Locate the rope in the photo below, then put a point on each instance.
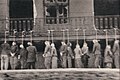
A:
(31, 32)
(48, 35)
(52, 35)
(68, 35)
(63, 35)
(14, 35)
(106, 37)
(22, 37)
(84, 34)
(77, 35)
(115, 33)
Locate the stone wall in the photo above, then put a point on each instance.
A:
(3, 14)
(77, 8)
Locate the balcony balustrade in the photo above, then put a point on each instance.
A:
(57, 24)
(107, 22)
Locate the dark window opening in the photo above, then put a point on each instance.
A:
(21, 14)
(106, 7)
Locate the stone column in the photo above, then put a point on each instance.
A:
(4, 14)
(39, 21)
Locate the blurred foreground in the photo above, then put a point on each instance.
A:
(61, 74)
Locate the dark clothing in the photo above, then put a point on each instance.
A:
(14, 50)
(85, 59)
(31, 65)
(31, 57)
(63, 50)
(14, 58)
(23, 54)
(5, 49)
(23, 58)
(70, 56)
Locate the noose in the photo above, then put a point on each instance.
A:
(84, 34)
(106, 37)
(68, 39)
(5, 40)
(96, 34)
(115, 33)
(14, 31)
(23, 37)
(52, 35)
(48, 35)
(96, 30)
(63, 35)
(31, 38)
(77, 35)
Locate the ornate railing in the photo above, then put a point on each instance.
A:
(42, 24)
(21, 24)
(107, 22)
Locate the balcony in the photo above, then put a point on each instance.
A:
(40, 26)
(107, 22)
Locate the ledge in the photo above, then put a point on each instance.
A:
(61, 74)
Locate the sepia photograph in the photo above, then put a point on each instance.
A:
(59, 39)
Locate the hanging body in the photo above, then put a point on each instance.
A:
(5, 53)
(70, 56)
(78, 54)
(23, 58)
(47, 56)
(85, 56)
(116, 52)
(63, 53)
(97, 53)
(14, 56)
(108, 57)
(54, 57)
(31, 57)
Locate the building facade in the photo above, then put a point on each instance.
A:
(43, 15)
(40, 20)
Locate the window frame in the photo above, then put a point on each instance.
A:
(57, 18)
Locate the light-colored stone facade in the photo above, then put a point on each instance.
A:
(77, 8)
(4, 13)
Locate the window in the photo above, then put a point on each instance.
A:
(56, 11)
(21, 14)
